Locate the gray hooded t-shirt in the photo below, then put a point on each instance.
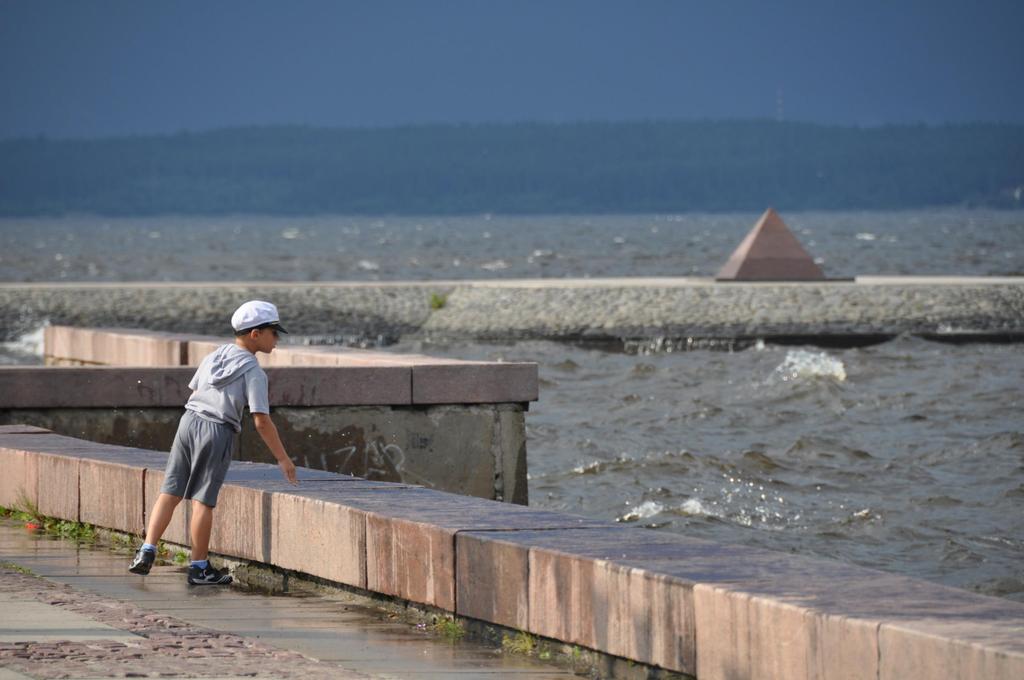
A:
(227, 380)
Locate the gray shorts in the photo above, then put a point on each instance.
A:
(199, 460)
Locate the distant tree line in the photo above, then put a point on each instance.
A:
(655, 166)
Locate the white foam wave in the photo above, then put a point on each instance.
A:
(801, 364)
(23, 348)
(643, 511)
(590, 468)
(692, 506)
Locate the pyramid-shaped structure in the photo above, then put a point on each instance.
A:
(770, 252)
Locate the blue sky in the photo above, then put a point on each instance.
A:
(103, 68)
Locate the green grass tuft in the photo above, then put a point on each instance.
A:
(520, 643)
(74, 531)
(26, 510)
(119, 540)
(449, 628)
(16, 567)
(438, 301)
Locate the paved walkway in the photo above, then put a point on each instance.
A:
(78, 614)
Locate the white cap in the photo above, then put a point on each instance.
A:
(256, 313)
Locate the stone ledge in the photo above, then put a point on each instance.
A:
(375, 375)
(468, 383)
(45, 387)
(23, 429)
(688, 605)
(132, 387)
(133, 347)
(572, 585)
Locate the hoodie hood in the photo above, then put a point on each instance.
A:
(228, 363)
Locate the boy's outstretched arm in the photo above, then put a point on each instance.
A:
(268, 431)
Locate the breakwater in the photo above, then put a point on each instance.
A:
(680, 310)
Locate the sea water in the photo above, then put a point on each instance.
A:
(246, 248)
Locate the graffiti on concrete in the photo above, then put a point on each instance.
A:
(377, 460)
(373, 459)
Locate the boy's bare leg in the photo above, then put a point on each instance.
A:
(202, 524)
(163, 511)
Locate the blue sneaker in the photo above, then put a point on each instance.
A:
(208, 576)
(143, 562)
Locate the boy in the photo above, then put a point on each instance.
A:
(227, 380)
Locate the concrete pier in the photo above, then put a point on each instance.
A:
(711, 610)
(869, 307)
(453, 425)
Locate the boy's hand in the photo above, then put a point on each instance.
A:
(268, 431)
(288, 470)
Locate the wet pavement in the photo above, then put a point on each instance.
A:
(73, 611)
